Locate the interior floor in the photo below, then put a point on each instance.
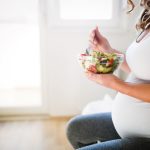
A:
(34, 135)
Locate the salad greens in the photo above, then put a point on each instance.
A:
(99, 62)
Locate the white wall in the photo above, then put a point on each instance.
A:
(68, 89)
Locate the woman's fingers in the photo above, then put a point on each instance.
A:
(89, 74)
(98, 78)
(92, 38)
(97, 33)
(93, 41)
(92, 44)
(93, 77)
(92, 35)
(100, 38)
(95, 38)
(97, 29)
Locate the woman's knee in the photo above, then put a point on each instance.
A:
(82, 126)
(85, 129)
(73, 127)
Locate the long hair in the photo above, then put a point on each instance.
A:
(144, 20)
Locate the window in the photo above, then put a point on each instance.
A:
(20, 81)
(85, 9)
(85, 12)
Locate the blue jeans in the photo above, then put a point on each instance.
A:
(84, 131)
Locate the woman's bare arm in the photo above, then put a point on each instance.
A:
(140, 91)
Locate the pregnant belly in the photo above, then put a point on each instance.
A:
(131, 117)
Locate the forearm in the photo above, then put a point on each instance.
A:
(139, 91)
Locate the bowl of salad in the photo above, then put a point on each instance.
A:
(100, 62)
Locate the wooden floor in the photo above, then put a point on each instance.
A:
(34, 135)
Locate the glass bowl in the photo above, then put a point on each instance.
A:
(99, 62)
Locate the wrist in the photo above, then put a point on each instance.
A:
(119, 85)
(116, 51)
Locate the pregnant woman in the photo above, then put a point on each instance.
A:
(127, 127)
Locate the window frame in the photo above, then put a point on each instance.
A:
(57, 22)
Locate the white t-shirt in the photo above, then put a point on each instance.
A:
(131, 116)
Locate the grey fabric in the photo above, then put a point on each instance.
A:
(84, 131)
(121, 144)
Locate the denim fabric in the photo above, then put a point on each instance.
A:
(84, 131)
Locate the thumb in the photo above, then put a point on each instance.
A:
(97, 29)
(97, 32)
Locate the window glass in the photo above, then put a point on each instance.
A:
(86, 9)
(22, 10)
(20, 80)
